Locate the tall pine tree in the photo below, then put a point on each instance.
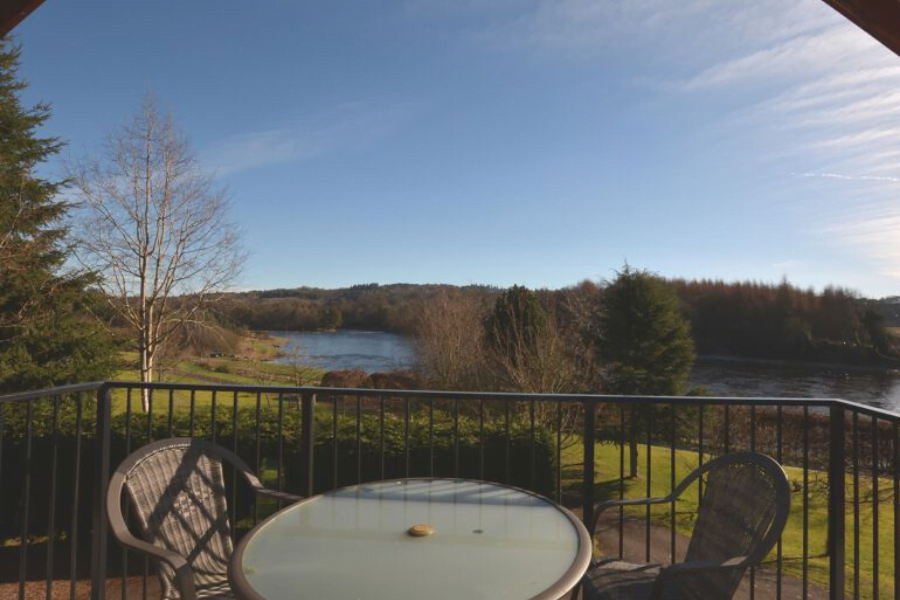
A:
(46, 337)
(644, 343)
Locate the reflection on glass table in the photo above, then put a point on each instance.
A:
(413, 538)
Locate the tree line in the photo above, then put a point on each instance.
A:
(781, 321)
(737, 319)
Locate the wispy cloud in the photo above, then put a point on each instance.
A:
(821, 97)
(677, 30)
(849, 177)
(350, 127)
(836, 48)
(876, 236)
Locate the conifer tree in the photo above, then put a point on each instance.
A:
(516, 324)
(45, 336)
(643, 342)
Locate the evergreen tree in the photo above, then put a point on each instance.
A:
(516, 324)
(45, 337)
(644, 343)
(643, 340)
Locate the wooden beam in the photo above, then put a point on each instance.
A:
(13, 11)
(879, 18)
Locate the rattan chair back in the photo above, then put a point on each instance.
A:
(177, 490)
(746, 500)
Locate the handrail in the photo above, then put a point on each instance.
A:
(457, 395)
(74, 388)
(857, 407)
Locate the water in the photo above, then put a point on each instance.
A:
(368, 351)
(772, 379)
(377, 351)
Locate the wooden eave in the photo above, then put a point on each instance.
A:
(13, 11)
(879, 18)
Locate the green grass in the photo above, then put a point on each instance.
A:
(214, 371)
(263, 346)
(816, 500)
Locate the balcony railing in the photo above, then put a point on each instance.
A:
(57, 448)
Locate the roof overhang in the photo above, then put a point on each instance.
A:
(13, 11)
(879, 18)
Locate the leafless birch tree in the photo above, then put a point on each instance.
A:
(156, 227)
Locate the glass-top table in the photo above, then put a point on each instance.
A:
(414, 538)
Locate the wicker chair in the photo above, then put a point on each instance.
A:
(744, 508)
(177, 489)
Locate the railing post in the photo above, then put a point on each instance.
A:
(590, 415)
(308, 439)
(101, 480)
(836, 525)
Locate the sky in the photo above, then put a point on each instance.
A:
(501, 142)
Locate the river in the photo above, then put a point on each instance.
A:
(377, 351)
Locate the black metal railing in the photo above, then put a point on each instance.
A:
(57, 448)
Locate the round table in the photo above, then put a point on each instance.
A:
(447, 539)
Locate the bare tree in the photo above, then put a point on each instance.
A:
(448, 340)
(156, 227)
(538, 366)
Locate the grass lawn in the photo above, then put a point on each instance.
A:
(816, 499)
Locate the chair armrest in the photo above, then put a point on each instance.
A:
(183, 572)
(255, 483)
(687, 568)
(599, 508)
(630, 502)
(290, 498)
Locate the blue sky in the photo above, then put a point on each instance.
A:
(538, 142)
